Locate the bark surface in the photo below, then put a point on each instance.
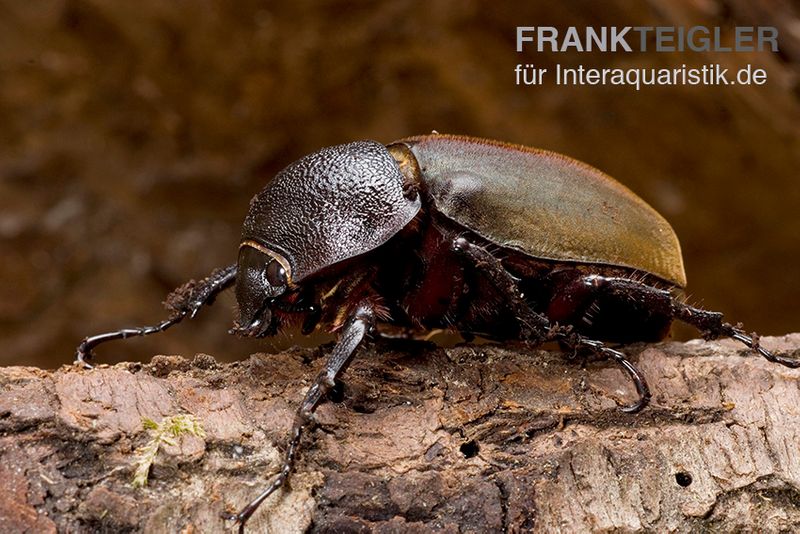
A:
(468, 439)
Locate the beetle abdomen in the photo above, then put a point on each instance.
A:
(545, 204)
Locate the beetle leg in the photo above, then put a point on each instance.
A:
(534, 327)
(709, 323)
(537, 328)
(361, 322)
(576, 341)
(186, 300)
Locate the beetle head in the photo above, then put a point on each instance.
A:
(263, 275)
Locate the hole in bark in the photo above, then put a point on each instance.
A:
(469, 449)
(363, 407)
(336, 394)
(683, 479)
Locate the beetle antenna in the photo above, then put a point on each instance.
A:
(184, 301)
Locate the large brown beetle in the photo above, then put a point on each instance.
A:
(442, 231)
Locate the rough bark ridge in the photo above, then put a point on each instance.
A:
(469, 439)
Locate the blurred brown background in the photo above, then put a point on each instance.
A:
(134, 133)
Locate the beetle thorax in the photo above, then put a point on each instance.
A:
(331, 205)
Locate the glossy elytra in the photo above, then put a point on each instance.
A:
(439, 231)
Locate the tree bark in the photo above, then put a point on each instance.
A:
(469, 439)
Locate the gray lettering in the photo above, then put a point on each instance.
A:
(618, 38)
(699, 44)
(522, 37)
(643, 31)
(547, 34)
(768, 34)
(593, 39)
(572, 40)
(744, 35)
(718, 41)
(664, 36)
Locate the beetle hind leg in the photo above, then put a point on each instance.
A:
(184, 301)
(713, 327)
(710, 323)
(537, 328)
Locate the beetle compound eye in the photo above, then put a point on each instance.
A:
(271, 272)
(276, 274)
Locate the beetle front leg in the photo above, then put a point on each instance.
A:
(186, 300)
(361, 322)
(709, 323)
(537, 328)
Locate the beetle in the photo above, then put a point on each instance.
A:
(441, 231)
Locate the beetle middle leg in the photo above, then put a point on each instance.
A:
(186, 300)
(533, 326)
(360, 323)
(709, 323)
(537, 328)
